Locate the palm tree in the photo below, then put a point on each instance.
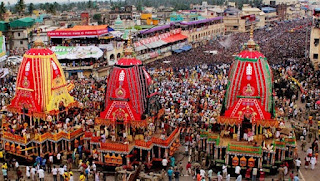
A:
(20, 6)
(3, 10)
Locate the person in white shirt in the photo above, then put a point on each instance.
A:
(237, 169)
(254, 174)
(224, 171)
(313, 162)
(202, 173)
(94, 167)
(298, 164)
(164, 163)
(28, 172)
(239, 178)
(309, 151)
(33, 173)
(210, 174)
(51, 159)
(55, 173)
(71, 176)
(228, 177)
(16, 165)
(41, 174)
(58, 158)
(61, 173)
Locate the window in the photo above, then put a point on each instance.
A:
(315, 56)
(21, 42)
(316, 41)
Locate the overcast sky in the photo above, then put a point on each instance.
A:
(41, 1)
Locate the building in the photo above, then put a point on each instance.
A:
(41, 33)
(314, 39)
(125, 13)
(163, 14)
(295, 11)
(200, 30)
(270, 14)
(185, 15)
(282, 11)
(202, 6)
(118, 24)
(19, 34)
(233, 21)
(259, 14)
(277, 2)
(149, 19)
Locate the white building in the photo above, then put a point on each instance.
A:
(277, 2)
(203, 6)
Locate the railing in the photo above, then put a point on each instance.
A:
(114, 147)
(43, 137)
(287, 141)
(214, 137)
(245, 149)
(167, 141)
(88, 134)
(290, 141)
(95, 139)
(280, 144)
(14, 137)
(143, 143)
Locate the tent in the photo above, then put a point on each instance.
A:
(22, 23)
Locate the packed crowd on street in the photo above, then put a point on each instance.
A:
(191, 89)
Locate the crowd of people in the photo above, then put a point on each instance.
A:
(278, 45)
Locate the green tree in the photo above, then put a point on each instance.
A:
(31, 8)
(3, 10)
(97, 17)
(46, 6)
(90, 4)
(51, 9)
(20, 7)
(57, 6)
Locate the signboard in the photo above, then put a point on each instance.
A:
(3, 55)
(108, 47)
(78, 52)
(78, 33)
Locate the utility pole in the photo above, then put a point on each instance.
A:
(306, 48)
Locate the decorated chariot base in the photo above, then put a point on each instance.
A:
(249, 132)
(45, 119)
(129, 130)
(42, 101)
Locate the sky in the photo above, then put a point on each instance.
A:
(40, 1)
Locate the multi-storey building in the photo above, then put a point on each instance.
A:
(314, 39)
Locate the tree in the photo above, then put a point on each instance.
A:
(97, 17)
(57, 6)
(3, 10)
(20, 7)
(46, 6)
(90, 4)
(51, 9)
(31, 8)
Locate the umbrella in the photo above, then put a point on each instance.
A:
(318, 102)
